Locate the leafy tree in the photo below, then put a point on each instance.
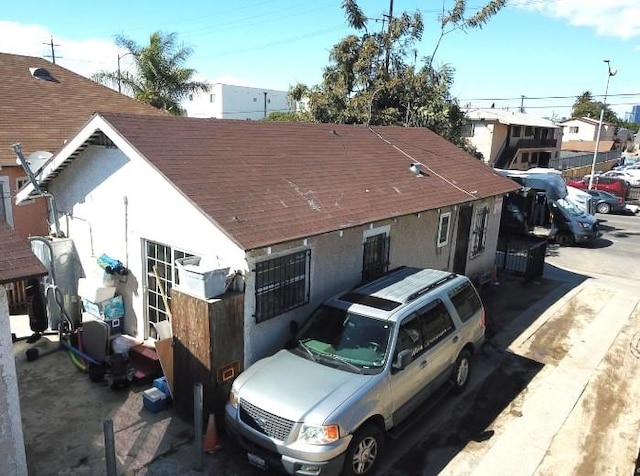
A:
(376, 78)
(159, 78)
(586, 106)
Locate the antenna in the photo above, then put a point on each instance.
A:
(53, 52)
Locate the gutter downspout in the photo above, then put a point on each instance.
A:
(17, 149)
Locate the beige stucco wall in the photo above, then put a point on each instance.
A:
(13, 461)
(336, 265)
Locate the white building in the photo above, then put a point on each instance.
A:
(225, 101)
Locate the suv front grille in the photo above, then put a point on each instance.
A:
(267, 423)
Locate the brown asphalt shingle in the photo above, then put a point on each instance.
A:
(268, 182)
(17, 261)
(41, 114)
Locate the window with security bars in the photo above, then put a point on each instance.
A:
(163, 258)
(479, 233)
(375, 260)
(282, 284)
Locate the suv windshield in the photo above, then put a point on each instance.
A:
(569, 207)
(343, 338)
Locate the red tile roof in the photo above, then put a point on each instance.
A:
(270, 182)
(17, 261)
(42, 114)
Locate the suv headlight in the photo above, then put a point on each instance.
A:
(233, 397)
(319, 434)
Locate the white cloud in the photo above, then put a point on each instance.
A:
(617, 18)
(83, 57)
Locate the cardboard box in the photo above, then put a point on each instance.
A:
(106, 310)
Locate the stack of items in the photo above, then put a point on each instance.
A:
(103, 316)
(158, 397)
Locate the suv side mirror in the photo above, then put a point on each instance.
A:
(402, 359)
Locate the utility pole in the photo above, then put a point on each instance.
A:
(53, 51)
(522, 103)
(388, 52)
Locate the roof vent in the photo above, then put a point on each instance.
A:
(41, 73)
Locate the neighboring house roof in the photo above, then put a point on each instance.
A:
(509, 118)
(269, 182)
(587, 145)
(588, 120)
(17, 261)
(42, 114)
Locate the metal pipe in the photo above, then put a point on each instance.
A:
(197, 426)
(109, 448)
(17, 149)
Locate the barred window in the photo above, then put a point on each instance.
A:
(375, 261)
(282, 284)
(480, 223)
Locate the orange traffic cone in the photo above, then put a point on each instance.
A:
(211, 442)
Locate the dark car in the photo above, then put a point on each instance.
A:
(607, 202)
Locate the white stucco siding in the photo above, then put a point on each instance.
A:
(482, 137)
(13, 461)
(111, 203)
(336, 265)
(226, 101)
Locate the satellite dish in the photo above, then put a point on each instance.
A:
(37, 159)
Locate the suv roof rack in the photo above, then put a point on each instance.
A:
(431, 286)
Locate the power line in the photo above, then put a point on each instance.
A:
(575, 96)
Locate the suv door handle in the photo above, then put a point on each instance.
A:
(456, 339)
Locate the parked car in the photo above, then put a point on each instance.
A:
(607, 202)
(363, 362)
(630, 175)
(614, 185)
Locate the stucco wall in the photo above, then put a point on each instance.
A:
(336, 265)
(226, 101)
(111, 203)
(13, 460)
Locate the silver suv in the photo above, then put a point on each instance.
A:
(361, 364)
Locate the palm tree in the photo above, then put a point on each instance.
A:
(159, 78)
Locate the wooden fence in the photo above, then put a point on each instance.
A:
(17, 296)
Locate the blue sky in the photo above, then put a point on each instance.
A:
(536, 48)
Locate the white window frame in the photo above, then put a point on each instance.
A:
(20, 181)
(444, 218)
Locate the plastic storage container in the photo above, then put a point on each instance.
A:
(154, 400)
(201, 278)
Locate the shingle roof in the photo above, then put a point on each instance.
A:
(17, 261)
(270, 182)
(41, 114)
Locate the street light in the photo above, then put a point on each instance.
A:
(604, 106)
(119, 74)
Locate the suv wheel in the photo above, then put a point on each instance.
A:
(564, 239)
(461, 372)
(364, 451)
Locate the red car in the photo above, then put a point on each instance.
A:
(612, 185)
